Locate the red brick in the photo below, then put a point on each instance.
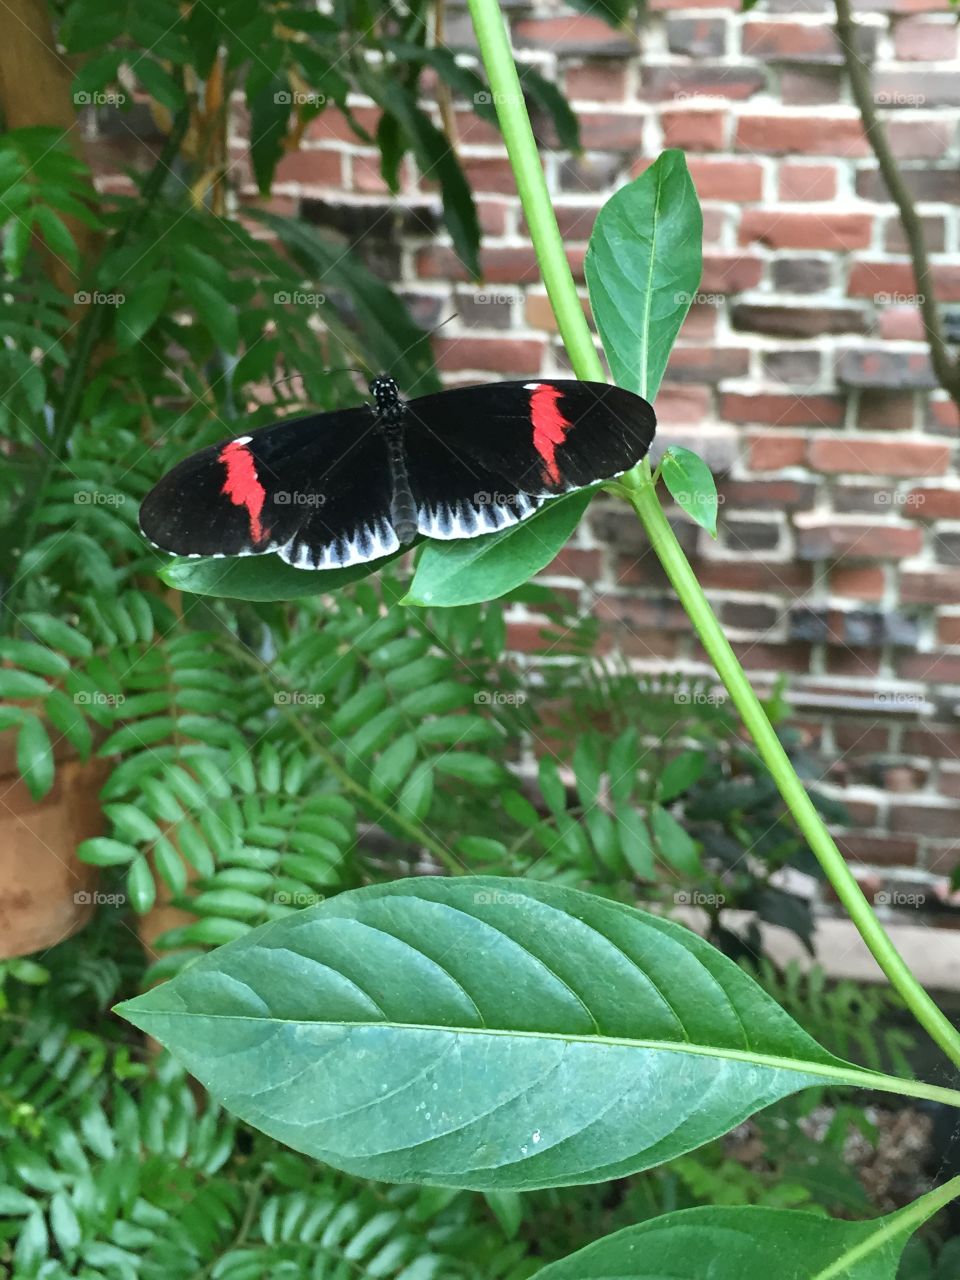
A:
(879, 457)
(937, 820)
(782, 410)
(596, 82)
(765, 495)
(611, 130)
(934, 504)
(707, 364)
(791, 580)
(476, 132)
(700, 79)
(790, 41)
(500, 355)
(934, 742)
(700, 323)
(934, 233)
(942, 668)
(332, 125)
(730, 272)
(579, 33)
(779, 658)
(836, 231)
(789, 321)
(944, 416)
(808, 181)
(869, 279)
(901, 324)
(694, 129)
(574, 562)
(881, 411)
(771, 453)
(857, 737)
(311, 168)
(829, 538)
(916, 40)
(948, 630)
(810, 86)
(739, 180)
(920, 139)
(860, 582)
(490, 173)
(929, 586)
(812, 134)
(882, 851)
(493, 216)
(682, 404)
(367, 177)
(853, 663)
(498, 266)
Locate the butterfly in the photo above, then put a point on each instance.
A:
(342, 488)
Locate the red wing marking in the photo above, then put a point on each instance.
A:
(243, 487)
(550, 427)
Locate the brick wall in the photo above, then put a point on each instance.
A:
(799, 374)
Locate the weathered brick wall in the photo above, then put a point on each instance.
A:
(800, 373)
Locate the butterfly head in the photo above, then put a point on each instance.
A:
(386, 396)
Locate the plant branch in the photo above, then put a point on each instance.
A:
(415, 832)
(502, 73)
(946, 368)
(90, 331)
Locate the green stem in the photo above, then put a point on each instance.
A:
(897, 1225)
(495, 51)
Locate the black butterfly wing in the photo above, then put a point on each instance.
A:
(315, 490)
(482, 458)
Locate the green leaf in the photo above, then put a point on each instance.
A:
(35, 756)
(486, 1033)
(543, 93)
(674, 844)
(103, 852)
(679, 774)
(270, 110)
(261, 577)
(477, 569)
(750, 1243)
(214, 312)
(643, 268)
(143, 306)
(635, 843)
(691, 485)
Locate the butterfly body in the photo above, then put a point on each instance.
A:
(341, 488)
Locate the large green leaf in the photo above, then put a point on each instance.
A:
(643, 268)
(483, 1032)
(476, 569)
(261, 577)
(750, 1243)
